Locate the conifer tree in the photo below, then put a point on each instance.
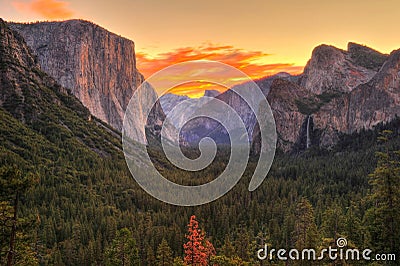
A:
(305, 231)
(164, 254)
(150, 259)
(14, 184)
(228, 249)
(123, 250)
(195, 252)
(383, 217)
(333, 222)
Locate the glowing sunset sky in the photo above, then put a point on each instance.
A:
(260, 37)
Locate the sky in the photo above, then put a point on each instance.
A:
(259, 37)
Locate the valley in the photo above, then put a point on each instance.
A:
(63, 90)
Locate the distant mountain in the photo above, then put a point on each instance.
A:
(202, 127)
(211, 93)
(169, 101)
(99, 67)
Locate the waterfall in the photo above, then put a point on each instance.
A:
(308, 143)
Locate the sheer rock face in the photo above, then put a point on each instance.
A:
(288, 119)
(29, 94)
(367, 105)
(99, 67)
(333, 69)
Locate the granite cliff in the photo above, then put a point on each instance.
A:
(99, 67)
(370, 103)
(40, 118)
(333, 69)
(340, 92)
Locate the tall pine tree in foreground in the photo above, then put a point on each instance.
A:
(15, 242)
(164, 254)
(305, 232)
(383, 216)
(123, 250)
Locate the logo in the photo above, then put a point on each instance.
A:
(341, 242)
(340, 252)
(140, 108)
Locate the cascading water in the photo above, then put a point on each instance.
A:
(308, 143)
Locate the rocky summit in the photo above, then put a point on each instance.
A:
(332, 69)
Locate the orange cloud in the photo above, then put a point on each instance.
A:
(250, 62)
(49, 9)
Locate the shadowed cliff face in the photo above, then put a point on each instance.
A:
(98, 67)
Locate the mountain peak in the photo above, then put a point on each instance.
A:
(326, 55)
(354, 45)
(211, 93)
(365, 56)
(332, 69)
(388, 76)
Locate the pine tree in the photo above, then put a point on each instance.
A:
(178, 262)
(14, 184)
(164, 254)
(333, 222)
(228, 249)
(123, 250)
(195, 252)
(305, 231)
(383, 217)
(353, 227)
(150, 259)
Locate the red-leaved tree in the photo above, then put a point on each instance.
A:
(196, 253)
